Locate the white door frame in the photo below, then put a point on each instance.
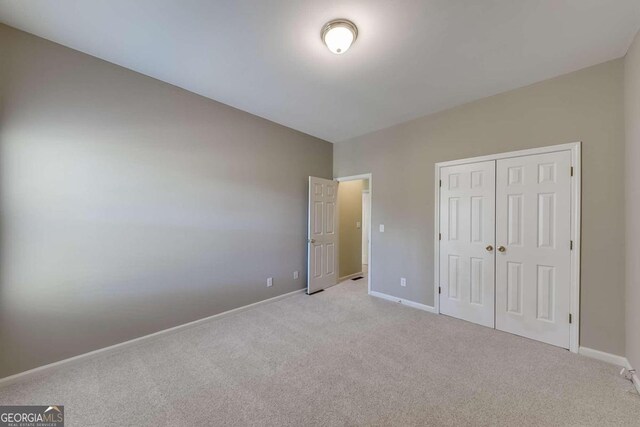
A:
(575, 149)
(369, 177)
(366, 207)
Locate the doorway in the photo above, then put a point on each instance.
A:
(353, 231)
(339, 231)
(508, 242)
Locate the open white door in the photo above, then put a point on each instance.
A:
(322, 234)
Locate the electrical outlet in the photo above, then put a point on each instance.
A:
(382, 228)
(403, 281)
(358, 224)
(269, 282)
(295, 275)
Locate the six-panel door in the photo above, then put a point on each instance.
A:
(467, 221)
(533, 223)
(322, 234)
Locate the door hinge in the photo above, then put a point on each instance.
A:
(570, 318)
(440, 183)
(439, 236)
(439, 290)
(571, 245)
(571, 170)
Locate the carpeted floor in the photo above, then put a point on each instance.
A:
(339, 357)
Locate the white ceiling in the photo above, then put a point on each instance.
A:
(411, 58)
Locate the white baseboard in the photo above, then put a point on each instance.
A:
(21, 376)
(612, 359)
(636, 382)
(605, 357)
(350, 276)
(403, 301)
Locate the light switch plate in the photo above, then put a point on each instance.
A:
(295, 275)
(382, 228)
(358, 224)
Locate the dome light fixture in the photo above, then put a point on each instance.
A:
(338, 35)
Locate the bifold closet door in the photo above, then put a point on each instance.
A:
(467, 227)
(533, 222)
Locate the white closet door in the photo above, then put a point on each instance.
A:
(533, 221)
(467, 227)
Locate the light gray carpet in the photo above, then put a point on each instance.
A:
(339, 357)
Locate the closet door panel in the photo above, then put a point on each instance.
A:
(467, 227)
(533, 221)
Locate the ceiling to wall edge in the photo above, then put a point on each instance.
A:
(358, 136)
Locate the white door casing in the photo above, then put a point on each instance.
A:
(467, 221)
(366, 208)
(322, 234)
(533, 225)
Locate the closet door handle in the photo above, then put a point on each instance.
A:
(502, 249)
(489, 248)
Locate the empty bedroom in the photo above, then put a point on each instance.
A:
(319, 213)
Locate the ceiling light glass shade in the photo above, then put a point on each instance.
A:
(338, 35)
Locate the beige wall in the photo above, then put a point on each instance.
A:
(350, 236)
(632, 121)
(583, 106)
(130, 206)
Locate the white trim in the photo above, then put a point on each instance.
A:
(41, 370)
(510, 154)
(366, 215)
(636, 382)
(436, 242)
(350, 276)
(576, 215)
(613, 359)
(355, 178)
(576, 183)
(403, 301)
(368, 176)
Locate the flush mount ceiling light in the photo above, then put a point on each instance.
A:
(338, 35)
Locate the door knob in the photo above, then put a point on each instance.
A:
(489, 248)
(312, 240)
(502, 249)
